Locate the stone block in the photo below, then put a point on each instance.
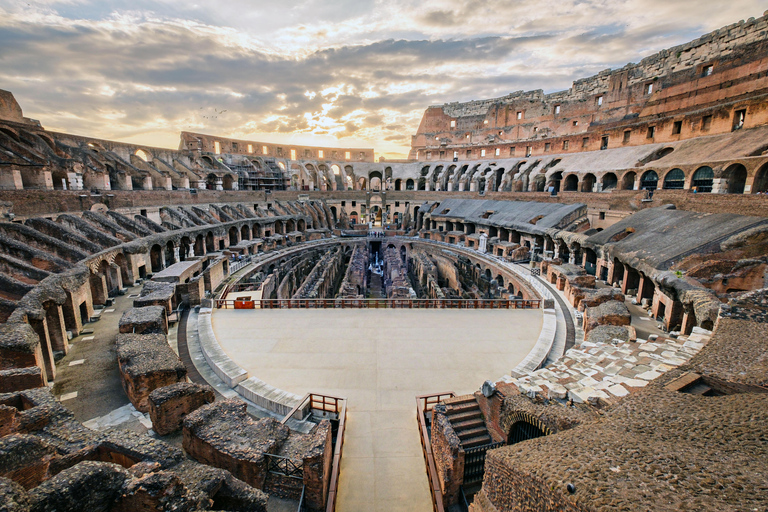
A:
(169, 405)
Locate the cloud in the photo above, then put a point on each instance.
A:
(342, 71)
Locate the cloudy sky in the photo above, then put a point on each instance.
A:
(324, 72)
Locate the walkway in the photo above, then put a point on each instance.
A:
(380, 360)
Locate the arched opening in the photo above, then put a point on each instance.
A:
(142, 154)
(571, 183)
(588, 183)
(398, 184)
(555, 180)
(523, 431)
(184, 248)
(500, 280)
(245, 233)
(422, 184)
(233, 236)
(375, 180)
(228, 182)
(610, 181)
(409, 184)
(628, 181)
(279, 227)
(170, 256)
(649, 180)
(122, 264)
(353, 217)
(703, 179)
(199, 245)
(210, 182)
(209, 243)
(290, 226)
(737, 178)
(361, 183)
(156, 258)
(674, 180)
(761, 181)
(59, 178)
(487, 274)
(301, 225)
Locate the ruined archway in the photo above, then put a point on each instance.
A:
(736, 175)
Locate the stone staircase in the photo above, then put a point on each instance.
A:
(467, 421)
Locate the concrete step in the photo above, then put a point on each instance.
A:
(476, 441)
(461, 408)
(472, 433)
(463, 399)
(467, 424)
(465, 416)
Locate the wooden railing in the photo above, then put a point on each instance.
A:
(246, 302)
(424, 405)
(327, 405)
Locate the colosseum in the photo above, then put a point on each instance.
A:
(558, 302)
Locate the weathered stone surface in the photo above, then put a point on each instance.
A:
(88, 487)
(144, 320)
(170, 404)
(146, 363)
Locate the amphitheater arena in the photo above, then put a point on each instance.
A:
(558, 302)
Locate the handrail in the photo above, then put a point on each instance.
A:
(333, 488)
(423, 403)
(248, 303)
(336, 405)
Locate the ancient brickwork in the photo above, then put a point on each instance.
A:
(169, 405)
(146, 363)
(354, 284)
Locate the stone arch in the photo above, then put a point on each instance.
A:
(736, 174)
(760, 183)
(674, 180)
(156, 258)
(279, 227)
(588, 182)
(649, 180)
(290, 226)
(144, 155)
(245, 233)
(703, 179)
(375, 180)
(628, 180)
(184, 248)
(228, 182)
(170, 256)
(233, 235)
(125, 271)
(398, 184)
(525, 426)
(301, 225)
(409, 184)
(609, 181)
(422, 184)
(361, 183)
(571, 183)
(210, 181)
(210, 245)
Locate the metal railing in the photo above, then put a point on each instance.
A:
(327, 405)
(424, 405)
(283, 466)
(248, 303)
(474, 462)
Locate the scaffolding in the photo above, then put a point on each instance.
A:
(254, 176)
